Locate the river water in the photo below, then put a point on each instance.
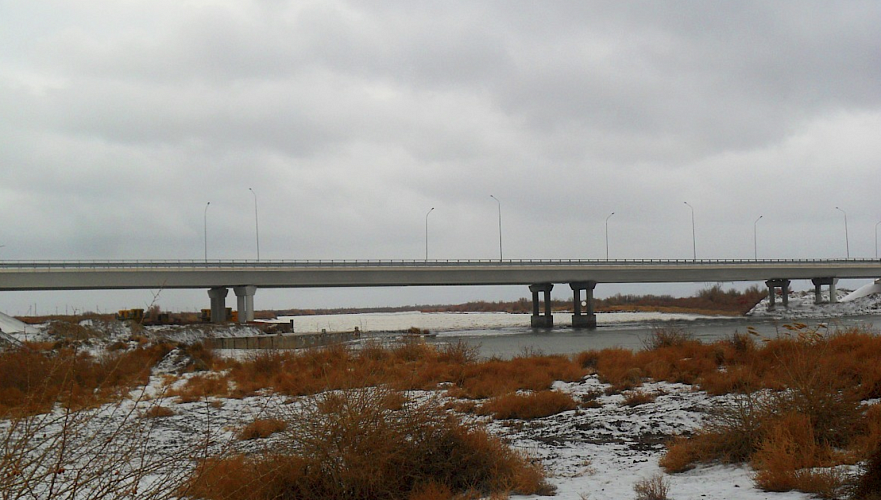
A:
(507, 335)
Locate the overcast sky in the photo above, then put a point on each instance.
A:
(120, 121)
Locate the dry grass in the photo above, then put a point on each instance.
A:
(656, 487)
(262, 428)
(82, 454)
(350, 444)
(798, 413)
(158, 411)
(637, 398)
(528, 406)
(33, 381)
(413, 365)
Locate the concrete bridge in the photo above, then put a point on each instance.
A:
(245, 277)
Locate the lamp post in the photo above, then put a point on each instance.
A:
(256, 222)
(205, 229)
(607, 234)
(500, 225)
(755, 239)
(846, 238)
(426, 232)
(693, 238)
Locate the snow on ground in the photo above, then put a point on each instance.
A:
(801, 305)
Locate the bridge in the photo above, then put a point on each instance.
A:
(245, 277)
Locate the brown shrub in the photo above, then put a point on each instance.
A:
(731, 434)
(636, 398)
(200, 387)
(157, 411)
(347, 444)
(654, 488)
(262, 428)
(528, 406)
(789, 456)
(666, 337)
(619, 367)
(868, 485)
(32, 381)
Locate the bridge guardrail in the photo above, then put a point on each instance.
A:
(44, 265)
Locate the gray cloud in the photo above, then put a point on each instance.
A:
(349, 120)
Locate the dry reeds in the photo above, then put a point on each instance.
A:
(33, 381)
(797, 411)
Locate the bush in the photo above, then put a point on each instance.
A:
(350, 444)
(528, 406)
(262, 428)
(654, 488)
(869, 483)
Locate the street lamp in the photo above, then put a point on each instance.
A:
(256, 222)
(500, 225)
(755, 239)
(607, 234)
(846, 239)
(693, 239)
(205, 226)
(426, 232)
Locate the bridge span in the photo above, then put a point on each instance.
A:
(245, 277)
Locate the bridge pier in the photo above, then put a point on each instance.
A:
(218, 304)
(586, 318)
(245, 302)
(539, 320)
(819, 282)
(773, 285)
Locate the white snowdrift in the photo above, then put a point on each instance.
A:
(801, 305)
(8, 324)
(864, 291)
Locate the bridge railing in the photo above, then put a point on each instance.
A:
(43, 265)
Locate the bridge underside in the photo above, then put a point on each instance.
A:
(246, 277)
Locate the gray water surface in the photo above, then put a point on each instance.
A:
(510, 341)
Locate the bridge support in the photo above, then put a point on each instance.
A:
(819, 282)
(539, 320)
(586, 318)
(773, 285)
(218, 304)
(245, 302)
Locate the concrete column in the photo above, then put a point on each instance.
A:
(535, 306)
(819, 282)
(245, 302)
(218, 304)
(773, 285)
(587, 318)
(538, 320)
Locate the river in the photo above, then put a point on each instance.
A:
(507, 335)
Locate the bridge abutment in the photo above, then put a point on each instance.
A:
(245, 302)
(586, 318)
(773, 285)
(539, 320)
(218, 304)
(818, 284)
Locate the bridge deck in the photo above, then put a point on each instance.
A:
(93, 275)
